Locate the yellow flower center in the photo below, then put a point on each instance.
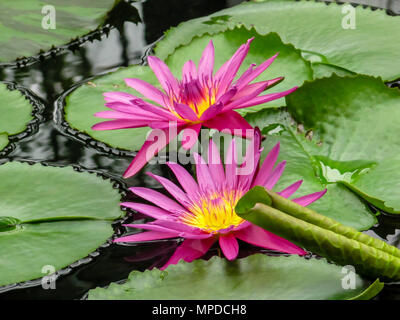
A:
(214, 212)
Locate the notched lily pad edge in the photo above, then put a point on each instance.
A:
(373, 289)
(83, 136)
(221, 14)
(116, 224)
(103, 29)
(33, 125)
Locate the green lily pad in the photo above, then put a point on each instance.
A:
(370, 48)
(87, 99)
(82, 103)
(258, 277)
(338, 203)
(3, 140)
(16, 113)
(356, 119)
(51, 216)
(21, 31)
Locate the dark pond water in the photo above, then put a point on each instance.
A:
(129, 40)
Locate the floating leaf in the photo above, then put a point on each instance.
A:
(86, 100)
(3, 140)
(338, 203)
(16, 113)
(357, 120)
(258, 277)
(21, 29)
(51, 216)
(370, 48)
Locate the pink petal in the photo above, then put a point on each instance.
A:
(190, 250)
(190, 135)
(158, 199)
(185, 112)
(150, 226)
(275, 175)
(250, 164)
(238, 103)
(266, 98)
(189, 71)
(229, 246)
(148, 210)
(203, 175)
(308, 199)
(267, 166)
(229, 122)
(231, 165)
(123, 115)
(118, 96)
(265, 239)
(164, 75)
(133, 109)
(245, 79)
(184, 230)
(286, 193)
(227, 96)
(162, 112)
(175, 191)
(147, 90)
(254, 87)
(146, 236)
(185, 179)
(215, 164)
(149, 149)
(206, 63)
(120, 124)
(232, 67)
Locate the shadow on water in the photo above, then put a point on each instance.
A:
(134, 28)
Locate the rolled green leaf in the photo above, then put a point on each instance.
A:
(366, 259)
(308, 215)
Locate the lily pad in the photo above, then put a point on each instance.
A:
(23, 35)
(258, 277)
(51, 216)
(338, 203)
(87, 99)
(3, 140)
(357, 120)
(370, 48)
(16, 113)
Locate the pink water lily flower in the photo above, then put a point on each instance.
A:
(203, 212)
(201, 98)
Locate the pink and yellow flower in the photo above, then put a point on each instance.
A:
(204, 213)
(201, 98)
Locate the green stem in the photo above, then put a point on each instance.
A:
(319, 234)
(308, 215)
(336, 247)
